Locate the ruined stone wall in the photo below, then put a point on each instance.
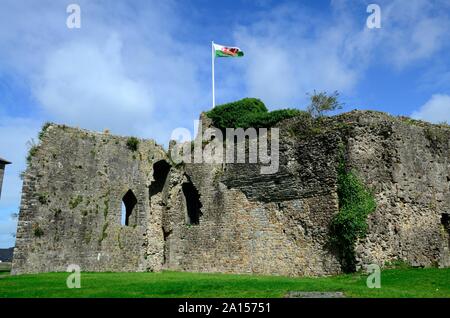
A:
(254, 223)
(279, 224)
(407, 165)
(71, 205)
(229, 217)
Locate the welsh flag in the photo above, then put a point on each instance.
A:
(227, 51)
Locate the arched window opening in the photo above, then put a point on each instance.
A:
(193, 204)
(128, 203)
(160, 171)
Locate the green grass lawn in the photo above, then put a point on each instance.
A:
(429, 282)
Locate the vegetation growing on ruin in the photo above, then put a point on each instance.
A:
(436, 136)
(104, 232)
(31, 153)
(132, 143)
(356, 202)
(73, 203)
(322, 102)
(246, 113)
(44, 128)
(43, 198)
(38, 232)
(251, 112)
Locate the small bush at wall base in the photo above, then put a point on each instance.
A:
(350, 224)
(399, 264)
(132, 143)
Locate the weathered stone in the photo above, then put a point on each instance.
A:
(229, 217)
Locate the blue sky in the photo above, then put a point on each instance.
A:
(144, 67)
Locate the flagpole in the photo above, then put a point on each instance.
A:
(212, 64)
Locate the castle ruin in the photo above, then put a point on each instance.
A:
(229, 217)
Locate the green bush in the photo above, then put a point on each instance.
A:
(350, 224)
(266, 120)
(322, 102)
(132, 143)
(228, 115)
(246, 113)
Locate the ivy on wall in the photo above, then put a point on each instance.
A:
(356, 202)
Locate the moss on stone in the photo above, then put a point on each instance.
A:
(43, 198)
(75, 201)
(38, 232)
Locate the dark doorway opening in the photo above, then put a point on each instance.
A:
(129, 201)
(193, 204)
(445, 221)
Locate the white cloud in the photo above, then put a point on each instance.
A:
(413, 31)
(295, 50)
(86, 84)
(436, 110)
(126, 69)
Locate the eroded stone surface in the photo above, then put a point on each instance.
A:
(230, 218)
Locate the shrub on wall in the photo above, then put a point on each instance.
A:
(228, 115)
(132, 143)
(246, 113)
(266, 120)
(356, 202)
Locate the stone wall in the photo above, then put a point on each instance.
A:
(407, 165)
(264, 224)
(71, 204)
(229, 217)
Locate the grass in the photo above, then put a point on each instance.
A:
(430, 282)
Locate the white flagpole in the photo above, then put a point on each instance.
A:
(212, 62)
